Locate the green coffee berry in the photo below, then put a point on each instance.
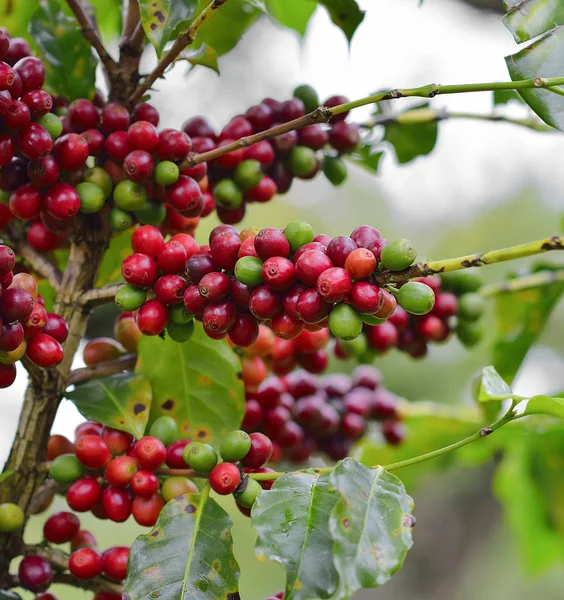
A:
(200, 457)
(308, 96)
(92, 197)
(248, 174)
(461, 281)
(151, 213)
(11, 517)
(166, 173)
(248, 492)
(397, 255)
(416, 298)
(298, 233)
(344, 322)
(129, 298)
(355, 347)
(302, 161)
(129, 195)
(468, 333)
(180, 332)
(66, 468)
(235, 446)
(335, 169)
(165, 429)
(471, 306)
(101, 178)
(248, 270)
(52, 124)
(228, 194)
(179, 315)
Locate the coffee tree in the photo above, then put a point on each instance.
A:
(213, 384)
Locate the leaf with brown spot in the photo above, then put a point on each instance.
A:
(122, 401)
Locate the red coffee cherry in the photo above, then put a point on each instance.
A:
(260, 452)
(147, 240)
(140, 270)
(71, 151)
(83, 115)
(62, 201)
(35, 574)
(146, 483)
(152, 318)
(32, 73)
(114, 117)
(84, 494)
(120, 471)
(225, 478)
(44, 351)
(34, 142)
(146, 112)
(115, 562)
(142, 135)
(146, 511)
(86, 563)
(151, 453)
(61, 527)
(92, 452)
(116, 504)
(56, 327)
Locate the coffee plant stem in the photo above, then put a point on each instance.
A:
(109, 367)
(97, 296)
(185, 38)
(522, 283)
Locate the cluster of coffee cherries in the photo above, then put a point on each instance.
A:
(26, 328)
(457, 309)
(303, 414)
(257, 172)
(85, 561)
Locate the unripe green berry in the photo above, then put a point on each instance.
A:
(248, 270)
(92, 197)
(248, 174)
(235, 446)
(165, 429)
(308, 96)
(129, 195)
(151, 213)
(355, 347)
(11, 517)
(200, 457)
(179, 315)
(101, 178)
(397, 255)
(344, 322)
(120, 220)
(5, 197)
(461, 281)
(228, 194)
(248, 492)
(180, 332)
(52, 124)
(367, 357)
(66, 468)
(471, 306)
(298, 233)
(302, 161)
(416, 298)
(129, 298)
(335, 169)
(468, 333)
(370, 320)
(166, 173)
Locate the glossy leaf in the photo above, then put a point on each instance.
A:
(411, 140)
(545, 405)
(345, 14)
(122, 401)
(294, 14)
(292, 523)
(520, 318)
(197, 383)
(367, 156)
(203, 56)
(68, 59)
(162, 20)
(119, 249)
(543, 58)
(371, 526)
(493, 387)
(188, 555)
(530, 18)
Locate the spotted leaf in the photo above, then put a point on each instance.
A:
(370, 525)
(292, 523)
(188, 555)
(122, 401)
(197, 383)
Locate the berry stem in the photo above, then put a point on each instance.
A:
(123, 363)
(522, 283)
(471, 260)
(97, 296)
(185, 38)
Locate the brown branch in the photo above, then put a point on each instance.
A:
(184, 39)
(43, 495)
(110, 367)
(35, 373)
(132, 43)
(98, 296)
(131, 21)
(322, 114)
(90, 33)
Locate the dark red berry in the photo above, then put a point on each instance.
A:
(142, 135)
(244, 331)
(83, 494)
(18, 115)
(394, 432)
(115, 562)
(43, 172)
(264, 303)
(218, 317)
(169, 289)
(366, 297)
(214, 286)
(260, 117)
(173, 145)
(146, 112)
(83, 115)
(61, 527)
(383, 337)
(35, 574)
(140, 270)
(32, 73)
(185, 196)
(139, 165)
(71, 151)
(146, 510)
(25, 202)
(271, 242)
(333, 101)
(116, 146)
(225, 249)
(116, 504)
(310, 265)
(278, 273)
(172, 257)
(339, 249)
(92, 452)
(334, 284)
(146, 483)
(61, 201)
(114, 117)
(86, 563)
(152, 318)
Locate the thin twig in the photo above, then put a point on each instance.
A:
(543, 278)
(182, 41)
(91, 34)
(110, 367)
(35, 373)
(98, 296)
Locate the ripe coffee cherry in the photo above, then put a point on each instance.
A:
(416, 298)
(286, 327)
(139, 165)
(92, 452)
(146, 510)
(86, 563)
(198, 127)
(116, 504)
(62, 201)
(120, 470)
(311, 308)
(264, 303)
(71, 151)
(360, 263)
(25, 202)
(314, 137)
(83, 115)
(7, 76)
(140, 270)
(433, 328)
(344, 137)
(214, 286)
(66, 468)
(271, 242)
(84, 494)
(225, 478)
(56, 327)
(115, 562)
(16, 304)
(35, 574)
(235, 446)
(7, 260)
(146, 112)
(339, 249)
(248, 492)
(185, 196)
(147, 240)
(397, 255)
(61, 527)
(262, 151)
(172, 258)
(260, 451)
(366, 297)
(225, 250)
(11, 517)
(334, 284)
(263, 192)
(82, 539)
(260, 117)
(44, 351)
(219, 316)
(310, 265)
(57, 446)
(43, 172)
(12, 335)
(394, 432)
(116, 146)
(88, 427)
(200, 457)
(34, 142)
(335, 101)
(383, 337)
(278, 273)
(146, 483)
(32, 73)
(114, 117)
(150, 452)
(142, 135)
(244, 332)
(169, 289)
(117, 441)
(173, 145)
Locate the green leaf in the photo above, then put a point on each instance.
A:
(197, 383)
(122, 401)
(371, 526)
(412, 139)
(119, 249)
(367, 157)
(543, 58)
(162, 20)
(294, 14)
(6, 475)
(532, 17)
(69, 62)
(188, 555)
(204, 56)
(506, 96)
(530, 484)
(545, 405)
(345, 14)
(292, 523)
(520, 318)
(493, 387)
